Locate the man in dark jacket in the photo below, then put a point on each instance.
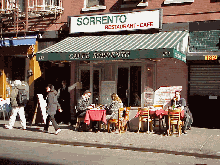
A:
(52, 105)
(64, 101)
(83, 104)
(179, 102)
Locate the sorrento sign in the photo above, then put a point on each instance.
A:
(138, 20)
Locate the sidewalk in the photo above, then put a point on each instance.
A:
(199, 142)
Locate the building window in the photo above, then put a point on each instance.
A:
(93, 5)
(133, 3)
(177, 1)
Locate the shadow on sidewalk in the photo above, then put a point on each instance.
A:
(21, 162)
(50, 141)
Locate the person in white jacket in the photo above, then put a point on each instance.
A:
(15, 107)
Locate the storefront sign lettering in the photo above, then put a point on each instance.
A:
(211, 57)
(129, 26)
(101, 20)
(122, 54)
(77, 56)
(41, 58)
(117, 21)
(180, 56)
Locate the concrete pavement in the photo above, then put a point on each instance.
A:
(199, 142)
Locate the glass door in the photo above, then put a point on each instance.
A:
(85, 79)
(123, 85)
(129, 85)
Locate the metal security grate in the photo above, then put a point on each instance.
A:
(204, 80)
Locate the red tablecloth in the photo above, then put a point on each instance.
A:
(160, 113)
(95, 115)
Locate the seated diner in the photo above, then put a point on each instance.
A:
(112, 110)
(180, 103)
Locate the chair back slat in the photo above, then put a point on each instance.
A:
(174, 119)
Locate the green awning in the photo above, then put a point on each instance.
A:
(114, 47)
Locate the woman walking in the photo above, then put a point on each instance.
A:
(52, 106)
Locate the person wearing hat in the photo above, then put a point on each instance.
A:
(16, 108)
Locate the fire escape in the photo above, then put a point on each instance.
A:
(23, 16)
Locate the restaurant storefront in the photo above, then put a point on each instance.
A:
(126, 64)
(17, 62)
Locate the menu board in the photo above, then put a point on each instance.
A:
(163, 95)
(107, 88)
(43, 105)
(148, 96)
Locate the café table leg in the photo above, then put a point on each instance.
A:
(160, 124)
(99, 125)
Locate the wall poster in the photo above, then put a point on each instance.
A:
(107, 88)
(164, 94)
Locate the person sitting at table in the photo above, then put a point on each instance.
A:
(112, 110)
(179, 102)
(83, 104)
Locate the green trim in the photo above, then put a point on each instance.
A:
(112, 55)
(180, 56)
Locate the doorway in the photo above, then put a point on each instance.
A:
(135, 86)
(85, 79)
(129, 85)
(122, 86)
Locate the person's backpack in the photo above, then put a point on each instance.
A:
(22, 97)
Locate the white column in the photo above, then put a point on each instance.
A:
(91, 81)
(143, 82)
(3, 3)
(116, 76)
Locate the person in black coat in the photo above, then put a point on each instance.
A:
(64, 101)
(52, 106)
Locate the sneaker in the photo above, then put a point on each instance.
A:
(8, 127)
(184, 132)
(57, 131)
(45, 131)
(22, 128)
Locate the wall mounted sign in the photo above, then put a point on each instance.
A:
(141, 20)
(211, 57)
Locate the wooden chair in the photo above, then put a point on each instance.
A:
(125, 122)
(144, 116)
(174, 120)
(80, 120)
(118, 122)
(157, 119)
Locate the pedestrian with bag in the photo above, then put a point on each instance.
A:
(18, 98)
(52, 106)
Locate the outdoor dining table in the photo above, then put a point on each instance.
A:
(160, 113)
(95, 115)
